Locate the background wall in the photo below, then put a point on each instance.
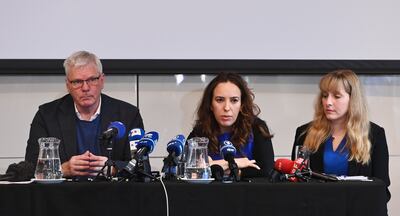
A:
(168, 103)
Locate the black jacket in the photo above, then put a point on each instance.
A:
(378, 167)
(58, 119)
(263, 151)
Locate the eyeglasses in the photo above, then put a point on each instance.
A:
(92, 81)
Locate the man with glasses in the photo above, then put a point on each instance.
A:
(79, 118)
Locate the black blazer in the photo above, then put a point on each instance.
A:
(58, 119)
(378, 166)
(263, 151)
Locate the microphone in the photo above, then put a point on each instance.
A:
(228, 152)
(175, 146)
(294, 170)
(322, 176)
(115, 129)
(134, 136)
(146, 145)
(130, 167)
(175, 149)
(23, 171)
(286, 166)
(290, 167)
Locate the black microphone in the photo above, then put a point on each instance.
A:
(322, 176)
(228, 151)
(115, 129)
(23, 171)
(130, 166)
(312, 175)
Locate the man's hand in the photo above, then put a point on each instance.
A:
(96, 163)
(83, 165)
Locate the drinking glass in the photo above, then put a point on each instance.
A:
(301, 152)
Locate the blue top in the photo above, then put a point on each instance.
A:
(336, 162)
(88, 135)
(244, 151)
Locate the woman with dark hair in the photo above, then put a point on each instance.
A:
(227, 112)
(341, 138)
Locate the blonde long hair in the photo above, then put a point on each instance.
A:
(357, 123)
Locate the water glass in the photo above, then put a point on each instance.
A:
(303, 153)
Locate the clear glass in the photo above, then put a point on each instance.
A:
(197, 165)
(48, 164)
(301, 152)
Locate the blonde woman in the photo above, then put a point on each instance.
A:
(341, 138)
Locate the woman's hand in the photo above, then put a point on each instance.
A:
(245, 162)
(241, 162)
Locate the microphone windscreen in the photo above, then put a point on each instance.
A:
(284, 165)
(180, 138)
(135, 134)
(176, 145)
(227, 148)
(148, 141)
(120, 128)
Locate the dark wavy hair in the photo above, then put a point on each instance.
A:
(206, 123)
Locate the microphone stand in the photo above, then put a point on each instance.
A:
(233, 167)
(109, 163)
(296, 176)
(169, 162)
(142, 170)
(307, 175)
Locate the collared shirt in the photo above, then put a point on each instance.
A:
(93, 117)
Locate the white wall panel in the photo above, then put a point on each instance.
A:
(21, 96)
(286, 102)
(122, 87)
(383, 94)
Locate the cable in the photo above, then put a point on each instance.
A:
(165, 192)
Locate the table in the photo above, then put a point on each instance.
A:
(258, 197)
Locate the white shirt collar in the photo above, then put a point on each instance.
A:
(93, 117)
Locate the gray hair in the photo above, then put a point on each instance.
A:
(82, 58)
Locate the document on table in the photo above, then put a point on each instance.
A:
(353, 178)
(19, 182)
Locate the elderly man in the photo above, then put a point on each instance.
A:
(78, 119)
